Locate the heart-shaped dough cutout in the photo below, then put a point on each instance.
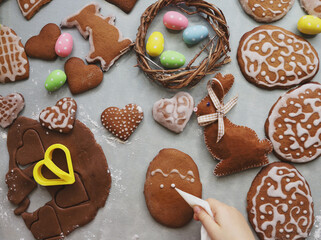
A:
(174, 113)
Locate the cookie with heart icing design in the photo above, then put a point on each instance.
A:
(14, 64)
(60, 117)
(10, 107)
(42, 46)
(279, 203)
(29, 8)
(71, 206)
(271, 57)
(313, 7)
(169, 169)
(294, 124)
(174, 113)
(267, 10)
(122, 122)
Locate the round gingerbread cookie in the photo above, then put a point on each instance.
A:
(279, 203)
(313, 7)
(169, 169)
(272, 57)
(267, 10)
(294, 124)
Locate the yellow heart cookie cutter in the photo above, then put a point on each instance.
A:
(64, 178)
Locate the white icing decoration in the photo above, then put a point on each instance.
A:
(253, 61)
(30, 8)
(189, 173)
(283, 215)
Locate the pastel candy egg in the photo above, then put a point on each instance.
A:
(195, 34)
(55, 80)
(155, 44)
(172, 59)
(64, 45)
(175, 21)
(309, 25)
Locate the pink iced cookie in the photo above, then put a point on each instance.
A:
(64, 45)
(175, 21)
(174, 113)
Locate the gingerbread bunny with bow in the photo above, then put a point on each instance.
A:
(236, 147)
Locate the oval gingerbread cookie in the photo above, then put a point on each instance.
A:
(266, 10)
(294, 124)
(272, 57)
(169, 169)
(279, 203)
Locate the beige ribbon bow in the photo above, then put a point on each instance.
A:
(221, 110)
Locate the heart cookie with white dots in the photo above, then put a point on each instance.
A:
(122, 122)
(61, 117)
(10, 107)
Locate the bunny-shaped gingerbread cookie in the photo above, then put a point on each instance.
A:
(239, 148)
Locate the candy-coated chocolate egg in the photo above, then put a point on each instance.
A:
(172, 59)
(155, 44)
(309, 25)
(64, 45)
(195, 34)
(175, 20)
(55, 80)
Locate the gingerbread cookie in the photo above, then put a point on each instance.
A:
(266, 10)
(14, 64)
(72, 206)
(239, 148)
(174, 113)
(42, 46)
(122, 122)
(279, 203)
(313, 7)
(106, 42)
(10, 107)
(81, 77)
(169, 169)
(61, 117)
(29, 8)
(272, 57)
(125, 5)
(294, 124)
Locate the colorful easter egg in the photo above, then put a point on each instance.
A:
(195, 34)
(155, 44)
(172, 59)
(55, 80)
(175, 20)
(309, 25)
(64, 45)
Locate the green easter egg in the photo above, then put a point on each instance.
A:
(172, 59)
(55, 80)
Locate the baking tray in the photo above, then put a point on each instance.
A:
(125, 215)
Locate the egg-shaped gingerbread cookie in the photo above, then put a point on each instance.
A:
(169, 169)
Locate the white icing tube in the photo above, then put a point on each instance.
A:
(195, 201)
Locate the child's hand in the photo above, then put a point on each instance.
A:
(229, 223)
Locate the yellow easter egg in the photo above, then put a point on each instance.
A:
(155, 44)
(309, 25)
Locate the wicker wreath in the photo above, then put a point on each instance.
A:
(217, 47)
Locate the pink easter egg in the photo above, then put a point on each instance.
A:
(175, 21)
(64, 45)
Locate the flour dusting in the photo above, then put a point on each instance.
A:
(317, 225)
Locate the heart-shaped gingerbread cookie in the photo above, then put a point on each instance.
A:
(122, 122)
(10, 107)
(42, 46)
(174, 113)
(60, 117)
(82, 77)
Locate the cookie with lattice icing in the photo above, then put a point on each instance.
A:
(272, 57)
(267, 10)
(10, 107)
(313, 7)
(169, 169)
(294, 124)
(29, 8)
(279, 203)
(14, 64)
